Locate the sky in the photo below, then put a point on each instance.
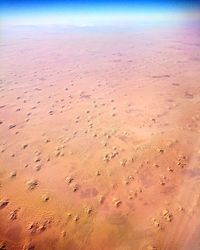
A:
(94, 12)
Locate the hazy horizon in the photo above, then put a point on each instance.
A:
(86, 13)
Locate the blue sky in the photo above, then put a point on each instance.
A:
(91, 11)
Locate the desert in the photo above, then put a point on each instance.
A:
(99, 138)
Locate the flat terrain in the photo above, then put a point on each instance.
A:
(99, 138)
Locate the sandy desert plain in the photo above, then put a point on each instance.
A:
(99, 138)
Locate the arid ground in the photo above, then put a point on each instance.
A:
(100, 138)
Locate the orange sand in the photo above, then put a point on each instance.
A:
(106, 122)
